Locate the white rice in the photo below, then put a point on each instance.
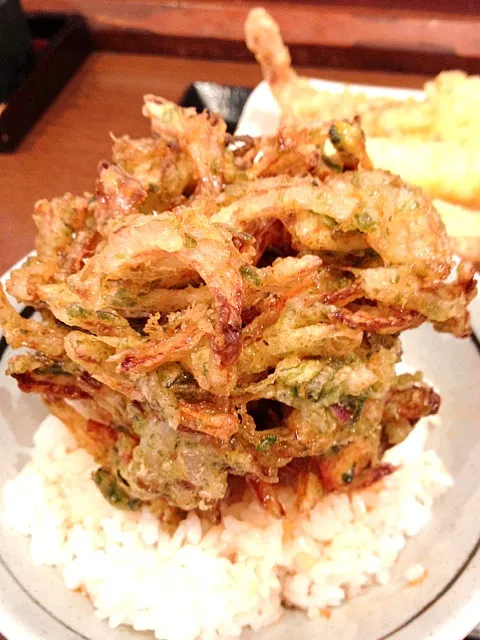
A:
(233, 575)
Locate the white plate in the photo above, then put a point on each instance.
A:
(35, 604)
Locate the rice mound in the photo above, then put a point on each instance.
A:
(229, 576)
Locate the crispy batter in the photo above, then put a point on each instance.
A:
(118, 196)
(353, 212)
(163, 169)
(444, 169)
(67, 307)
(431, 143)
(66, 236)
(227, 307)
(29, 333)
(202, 137)
(297, 150)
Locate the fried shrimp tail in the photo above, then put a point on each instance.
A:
(263, 38)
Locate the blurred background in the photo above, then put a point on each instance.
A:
(88, 63)
(73, 71)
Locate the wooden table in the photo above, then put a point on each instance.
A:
(63, 150)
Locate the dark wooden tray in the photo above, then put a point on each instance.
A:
(61, 42)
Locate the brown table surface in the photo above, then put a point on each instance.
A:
(62, 152)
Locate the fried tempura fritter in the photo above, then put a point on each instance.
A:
(296, 96)
(248, 327)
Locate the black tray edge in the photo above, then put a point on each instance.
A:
(68, 49)
(228, 101)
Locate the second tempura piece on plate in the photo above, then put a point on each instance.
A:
(431, 142)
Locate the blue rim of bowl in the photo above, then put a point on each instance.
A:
(27, 312)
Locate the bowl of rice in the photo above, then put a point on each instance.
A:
(396, 557)
(398, 560)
